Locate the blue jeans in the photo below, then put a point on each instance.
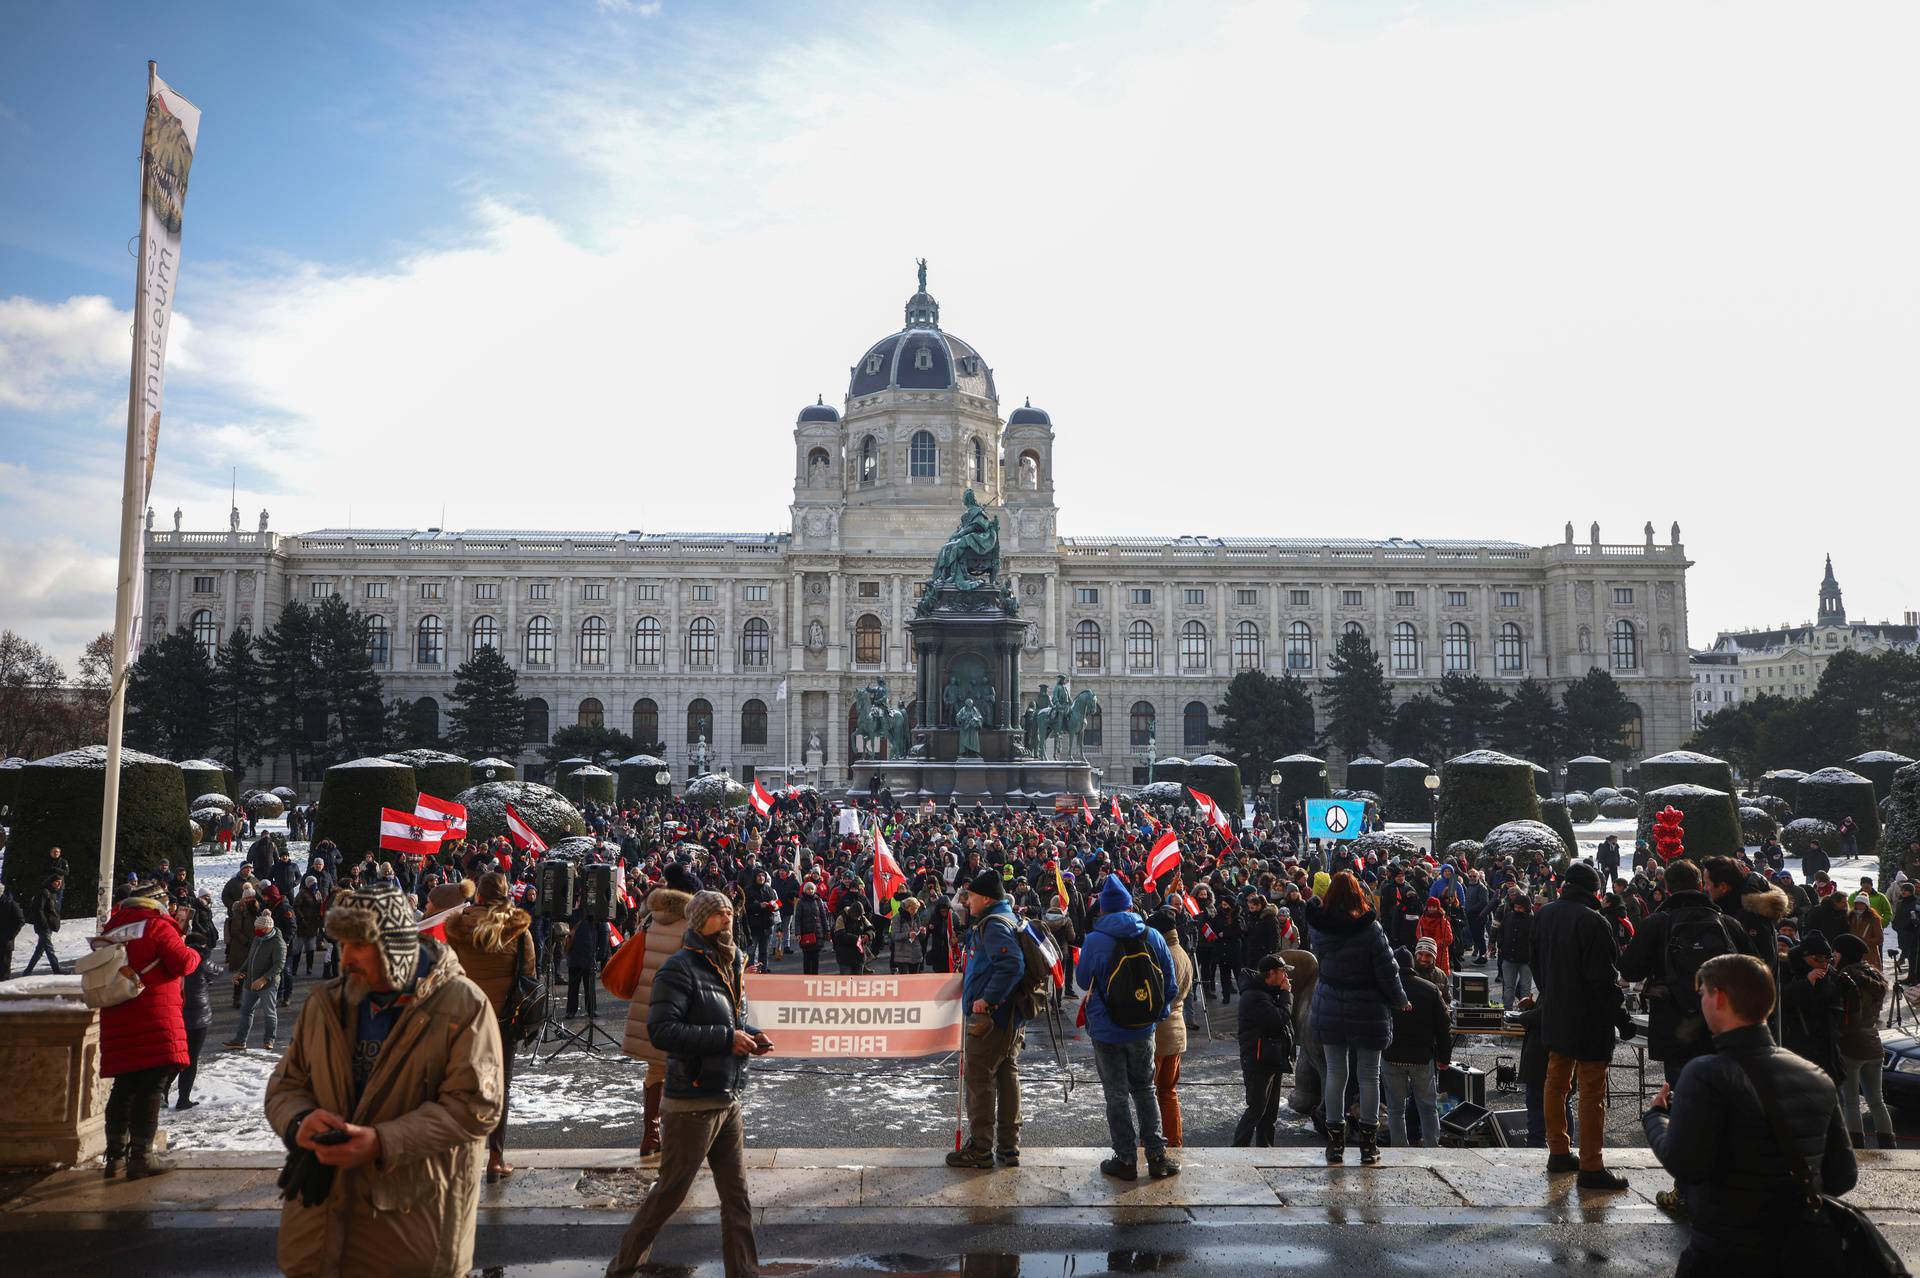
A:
(1367, 1075)
(1126, 1079)
(43, 945)
(1422, 1083)
(762, 948)
(1516, 981)
(268, 1001)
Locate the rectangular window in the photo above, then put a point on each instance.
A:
(430, 590)
(484, 590)
(376, 590)
(594, 591)
(1509, 599)
(203, 585)
(1623, 594)
(1300, 598)
(754, 594)
(1403, 599)
(1247, 598)
(1456, 599)
(1086, 594)
(320, 590)
(1196, 597)
(647, 592)
(539, 590)
(869, 590)
(1142, 595)
(703, 594)
(1350, 599)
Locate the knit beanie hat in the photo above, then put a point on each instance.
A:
(1583, 876)
(1817, 945)
(263, 924)
(681, 879)
(705, 905)
(988, 884)
(379, 914)
(1114, 897)
(1426, 945)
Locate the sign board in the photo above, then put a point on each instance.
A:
(866, 1017)
(1068, 803)
(1336, 819)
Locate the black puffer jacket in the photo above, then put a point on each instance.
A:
(1580, 996)
(1266, 1025)
(1717, 1143)
(1426, 1032)
(196, 1008)
(698, 1003)
(1675, 1030)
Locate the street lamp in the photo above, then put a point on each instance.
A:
(663, 779)
(1433, 814)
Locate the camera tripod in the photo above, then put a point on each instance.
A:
(556, 1027)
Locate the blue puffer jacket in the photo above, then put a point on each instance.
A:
(1359, 984)
(995, 964)
(1096, 963)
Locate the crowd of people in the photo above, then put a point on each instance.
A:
(1340, 959)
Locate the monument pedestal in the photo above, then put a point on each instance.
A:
(1013, 783)
(53, 1112)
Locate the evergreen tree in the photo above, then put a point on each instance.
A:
(581, 741)
(1469, 708)
(170, 699)
(1420, 728)
(296, 713)
(1595, 717)
(1736, 732)
(487, 715)
(1262, 719)
(349, 686)
(241, 717)
(1357, 699)
(1529, 726)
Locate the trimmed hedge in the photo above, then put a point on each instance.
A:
(264, 806)
(1589, 772)
(714, 790)
(588, 785)
(1833, 793)
(1473, 850)
(435, 772)
(1581, 807)
(1171, 768)
(1903, 826)
(1685, 767)
(1542, 782)
(1782, 783)
(1619, 808)
(1386, 846)
(204, 776)
(1302, 777)
(1553, 813)
(57, 805)
(565, 766)
(351, 797)
(1483, 789)
(1219, 780)
(1774, 806)
(214, 799)
(1756, 827)
(1169, 792)
(1710, 820)
(1404, 797)
(1879, 767)
(1367, 773)
(1521, 839)
(1799, 834)
(545, 809)
(636, 778)
(501, 769)
(10, 779)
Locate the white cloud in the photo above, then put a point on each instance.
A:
(1437, 277)
(639, 8)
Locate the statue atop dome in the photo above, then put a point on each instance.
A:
(923, 273)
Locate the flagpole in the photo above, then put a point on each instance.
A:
(130, 495)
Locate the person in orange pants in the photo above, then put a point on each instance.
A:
(1170, 1035)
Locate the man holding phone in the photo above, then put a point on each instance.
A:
(698, 1016)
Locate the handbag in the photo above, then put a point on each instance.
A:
(525, 1012)
(1846, 1243)
(105, 978)
(621, 975)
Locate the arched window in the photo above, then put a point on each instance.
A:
(921, 455)
(536, 721)
(1140, 724)
(869, 461)
(1029, 470)
(1353, 628)
(753, 723)
(1193, 724)
(1193, 646)
(976, 462)
(1625, 646)
(430, 642)
(1086, 646)
(426, 720)
(206, 632)
(646, 722)
(819, 466)
(592, 714)
(1636, 731)
(540, 641)
(701, 642)
(1246, 646)
(867, 647)
(756, 644)
(1512, 649)
(1090, 730)
(699, 720)
(1140, 646)
(379, 640)
(1456, 652)
(649, 642)
(486, 634)
(1299, 646)
(593, 641)
(1406, 648)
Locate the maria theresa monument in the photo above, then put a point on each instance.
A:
(918, 506)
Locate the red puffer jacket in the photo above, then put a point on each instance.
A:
(150, 1029)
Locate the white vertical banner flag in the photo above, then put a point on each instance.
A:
(780, 693)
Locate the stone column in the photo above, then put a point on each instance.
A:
(173, 604)
(1116, 651)
(1220, 655)
(403, 649)
(837, 624)
(227, 616)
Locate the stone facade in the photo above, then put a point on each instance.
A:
(677, 635)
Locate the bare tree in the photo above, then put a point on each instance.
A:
(31, 707)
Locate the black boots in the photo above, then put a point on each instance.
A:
(145, 1122)
(1336, 1143)
(1369, 1145)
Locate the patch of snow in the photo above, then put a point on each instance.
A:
(95, 757)
(369, 762)
(1834, 776)
(1492, 758)
(1683, 756)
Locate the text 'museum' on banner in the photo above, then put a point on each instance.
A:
(814, 1017)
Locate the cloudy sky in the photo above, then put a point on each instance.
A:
(1348, 268)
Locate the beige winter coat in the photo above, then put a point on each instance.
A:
(666, 926)
(494, 943)
(433, 1097)
(1170, 1034)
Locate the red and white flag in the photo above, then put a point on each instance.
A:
(1165, 856)
(409, 833)
(1044, 939)
(522, 834)
(448, 813)
(761, 800)
(1215, 817)
(1118, 819)
(887, 878)
(1086, 810)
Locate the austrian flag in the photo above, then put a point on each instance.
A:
(409, 833)
(523, 835)
(761, 800)
(448, 813)
(1165, 857)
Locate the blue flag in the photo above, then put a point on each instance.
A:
(1336, 819)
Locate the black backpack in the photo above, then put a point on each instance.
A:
(1135, 985)
(1696, 934)
(1029, 998)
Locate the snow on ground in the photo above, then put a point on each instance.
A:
(230, 1089)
